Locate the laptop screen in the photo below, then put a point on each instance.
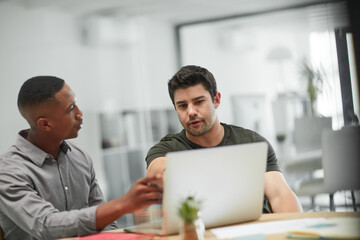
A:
(228, 180)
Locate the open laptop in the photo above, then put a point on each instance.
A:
(228, 180)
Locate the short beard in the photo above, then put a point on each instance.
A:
(202, 131)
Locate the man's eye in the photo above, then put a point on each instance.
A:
(199, 101)
(182, 106)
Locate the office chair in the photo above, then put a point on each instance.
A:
(307, 140)
(341, 161)
(307, 132)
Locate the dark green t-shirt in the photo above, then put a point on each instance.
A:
(233, 135)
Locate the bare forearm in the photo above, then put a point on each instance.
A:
(109, 212)
(157, 166)
(280, 195)
(286, 203)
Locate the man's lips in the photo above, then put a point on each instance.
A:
(80, 123)
(194, 122)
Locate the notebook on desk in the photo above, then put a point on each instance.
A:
(228, 180)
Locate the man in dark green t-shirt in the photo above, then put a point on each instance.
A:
(195, 97)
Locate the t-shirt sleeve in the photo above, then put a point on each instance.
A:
(169, 143)
(272, 162)
(158, 150)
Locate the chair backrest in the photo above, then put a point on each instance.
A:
(307, 132)
(341, 158)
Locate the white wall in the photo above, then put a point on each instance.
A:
(237, 53)
(32, 43)
(105, 74)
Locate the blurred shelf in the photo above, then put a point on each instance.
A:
(126, 136)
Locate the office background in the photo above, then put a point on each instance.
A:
(117, 56)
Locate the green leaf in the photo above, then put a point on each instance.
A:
(189, 209)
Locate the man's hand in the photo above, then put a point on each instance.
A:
(143, 193)
(159, 182)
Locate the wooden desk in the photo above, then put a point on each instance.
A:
(288, 216)
(268, 218)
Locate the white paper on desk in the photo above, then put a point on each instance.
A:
(272, 227)
(337, 228)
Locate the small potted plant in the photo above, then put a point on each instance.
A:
(191, 226)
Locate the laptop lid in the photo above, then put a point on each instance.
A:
(229, 181)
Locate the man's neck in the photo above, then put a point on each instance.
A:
(45, 144)
(210, 139)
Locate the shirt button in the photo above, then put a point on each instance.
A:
(66, 188)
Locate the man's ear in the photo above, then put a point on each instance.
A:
(217, 99)
(43, 124)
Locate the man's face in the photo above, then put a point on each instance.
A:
(195, 108)
(65, 116)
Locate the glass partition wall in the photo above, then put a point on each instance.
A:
(278, 73)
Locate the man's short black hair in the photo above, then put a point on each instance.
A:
(189, 76)
(38, 90)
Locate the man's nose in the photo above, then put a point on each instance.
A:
(192, 111)
(79, 113)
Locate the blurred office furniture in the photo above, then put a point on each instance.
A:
(307, 132)
(341, 161)
(308, 157)
(250, 112)
(286, 108)
(299, 144)
(126, 136)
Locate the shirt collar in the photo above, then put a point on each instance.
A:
(35, 154)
